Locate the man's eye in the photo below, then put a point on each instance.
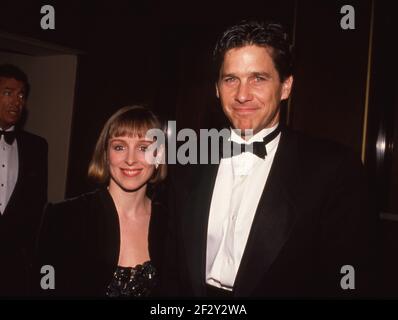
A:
(21, 96)
(229, 79)
(6, 93)
(259, 78)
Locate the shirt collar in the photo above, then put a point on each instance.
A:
(259, 136)
(12, 128)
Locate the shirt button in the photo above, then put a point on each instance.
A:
(2, 185)
(3, 165)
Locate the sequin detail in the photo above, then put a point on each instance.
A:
(137, 281)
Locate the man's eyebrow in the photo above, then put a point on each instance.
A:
(264, 74)
(254, 73)
(11, 88)
(224, 75)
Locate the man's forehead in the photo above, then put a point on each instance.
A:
(11, 83)
(250, 58)
(248, 54)
(265, 49)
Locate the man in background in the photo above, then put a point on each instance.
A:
(23, 183)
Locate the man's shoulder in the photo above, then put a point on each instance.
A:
(320, 163)
(32, 138)
(320, 148)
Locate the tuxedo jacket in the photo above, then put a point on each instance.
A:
(80, 239)
(312, 219)
(21, 218)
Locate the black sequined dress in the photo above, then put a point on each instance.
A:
(137, 281)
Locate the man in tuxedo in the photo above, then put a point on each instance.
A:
(291, 220)
(23, 184)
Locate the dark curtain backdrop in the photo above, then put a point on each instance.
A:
(159, 54)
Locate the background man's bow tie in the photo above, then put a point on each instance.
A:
(9, 136)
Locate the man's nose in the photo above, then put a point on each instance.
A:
(17, 100)
(243, 93)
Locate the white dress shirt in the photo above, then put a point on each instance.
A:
(239, 185)
(8, 170)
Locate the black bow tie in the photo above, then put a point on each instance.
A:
(9, 136)
(257, 147)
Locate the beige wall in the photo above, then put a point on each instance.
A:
(50, 106)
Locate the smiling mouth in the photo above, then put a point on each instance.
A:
(245, 110)
(13, 112)
(131, 172)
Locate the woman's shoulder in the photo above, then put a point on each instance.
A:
(76, 201)
(73, 207)
(69, 220)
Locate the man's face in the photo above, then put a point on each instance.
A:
(12, 101)
(250, 89)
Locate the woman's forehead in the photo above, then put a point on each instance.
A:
(131, 137)
(129, 131)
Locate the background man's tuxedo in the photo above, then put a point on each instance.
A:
(21, 218)
(312, 218)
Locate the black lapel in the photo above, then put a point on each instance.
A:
(194, 224)
(21, 173)
(108, 228)
(273, 219)
(104, 243)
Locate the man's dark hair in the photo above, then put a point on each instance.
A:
(269, 35)
(12, 71)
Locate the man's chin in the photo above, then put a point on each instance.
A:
(243, 127)
(8, 124)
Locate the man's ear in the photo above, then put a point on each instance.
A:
(217, 93)
(287, 88)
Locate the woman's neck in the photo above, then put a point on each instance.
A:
(130, 204)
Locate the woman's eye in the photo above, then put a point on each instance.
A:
(143, 148)
(118, 147)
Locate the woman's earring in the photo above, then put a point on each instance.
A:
(156, 165)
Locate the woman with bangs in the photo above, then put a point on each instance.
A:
(110, 242)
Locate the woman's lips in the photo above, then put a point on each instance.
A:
(131, 172)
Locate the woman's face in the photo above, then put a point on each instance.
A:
(128, 167)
